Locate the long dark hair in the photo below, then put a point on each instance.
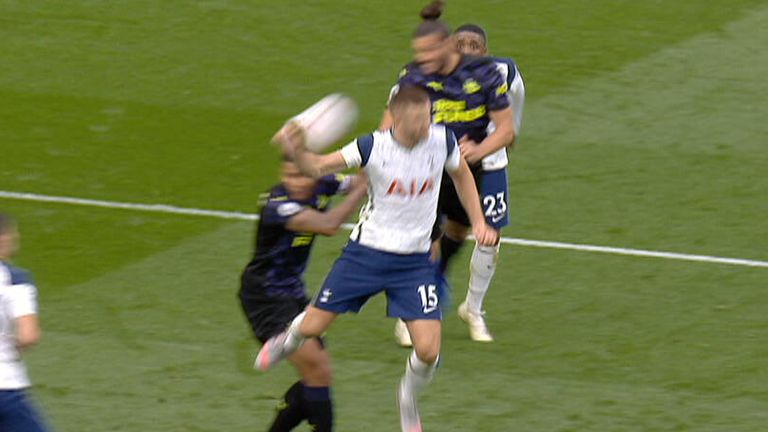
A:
(431, 23)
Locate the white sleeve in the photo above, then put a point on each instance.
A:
(351, 155)
(453, 154)
(357, 153)
(22, 300)
(453, 161)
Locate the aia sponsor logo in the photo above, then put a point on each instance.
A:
(412, 189)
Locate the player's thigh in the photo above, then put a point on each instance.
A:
(426, 335)
(494, 198)
(316, 321)
(412, 293)
(353, 279)
(270, 315)
(313, 363)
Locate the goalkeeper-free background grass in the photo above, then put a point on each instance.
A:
(644, 127)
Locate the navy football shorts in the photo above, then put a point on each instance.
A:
(409, 281)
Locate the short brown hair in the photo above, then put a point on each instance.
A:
(408, 95)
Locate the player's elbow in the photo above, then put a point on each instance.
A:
(28, 338)
(329, 227)
(511, 138)
(329, 231)
(509, 135)
(27, 331)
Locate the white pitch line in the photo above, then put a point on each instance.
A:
(158, 208)
(169, 209)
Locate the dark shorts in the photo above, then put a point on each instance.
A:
(410, 283)
(269, 315)
(18, 413)
(493, 191)
(448, 204)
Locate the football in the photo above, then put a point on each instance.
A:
(327, 121)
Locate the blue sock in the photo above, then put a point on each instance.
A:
(290, 411)
(319, 408)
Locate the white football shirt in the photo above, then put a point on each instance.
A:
(18, 297)
(516, 94)
(403, 188)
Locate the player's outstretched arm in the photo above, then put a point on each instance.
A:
(292, 138)
(470, 200)
(328, 223)
(502, 136)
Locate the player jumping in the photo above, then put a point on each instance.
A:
(389, 247)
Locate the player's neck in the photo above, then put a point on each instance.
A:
(6, 248)
(403, 141)
(453, 62)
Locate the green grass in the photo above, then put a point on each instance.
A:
(644, 127)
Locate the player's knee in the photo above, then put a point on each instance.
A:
(310, 330)
(321, 374)
(428, 353)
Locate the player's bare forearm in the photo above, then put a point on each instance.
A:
(504, 134)
(339, 214)
(328, 223)
(307, 161)
(316, 166)
(467, 192)
(292, 138)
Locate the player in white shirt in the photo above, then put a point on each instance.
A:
(389, 248)
(19, 330)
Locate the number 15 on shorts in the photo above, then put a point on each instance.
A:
(428, 294)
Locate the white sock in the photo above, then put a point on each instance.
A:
(481, 270)
(417, 374)
(294, 339)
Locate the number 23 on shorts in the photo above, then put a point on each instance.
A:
(495, 206)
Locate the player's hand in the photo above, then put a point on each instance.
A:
(485, 235)
(470, 150)
(289, 137)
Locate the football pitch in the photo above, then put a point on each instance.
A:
(645, 128)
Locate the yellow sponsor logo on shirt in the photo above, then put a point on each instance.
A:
(434, 85)
(452, 111)
(471, 86)
(302, 239)
(502, 89)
